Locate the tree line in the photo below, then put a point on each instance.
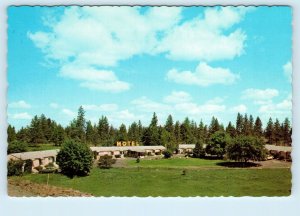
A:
(170, 135)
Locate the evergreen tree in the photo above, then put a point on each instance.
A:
(286, 132)
(251, 125)
(58, 135)
(89, 132)
(201, 131)
(36, 131)
(154, 131)
(269, 132)
(239, 124)
(214, 125)
(140, 130)
(177, 133)
(103, 130)
(133, 132)
(277, 132)
(230, 130)
(245, 126)
(23, 135)
(257, 130)
(122, 133)
(11, 134)
(199, 151)
(169, 124)
(81, 124)
(186, 133)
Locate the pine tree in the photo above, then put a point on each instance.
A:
(103, 130)
(257, 130)
(177, 133)
(81, 124)
(122, 133)
(186, 133)
(277, 132)
(286, 132)
(239, 124)
(214, 125)
(154, 131)
(230, 130)
(269, 132)
(251, 125)
(58, 135)
(133, 132)
(89, 132)
(23, 135)
(245, 126)
(36, 131)
(140, 130)
(11, 134)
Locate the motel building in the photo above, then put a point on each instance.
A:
(122, 150)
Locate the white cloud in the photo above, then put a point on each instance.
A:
(19, 105)
(204, 38)
(95, 38)
(54, 105)
(209, 107)
(204, 75)
(21, 116)
(239, 109)
(145, 104)
(260, 96)
(68, 112)
(287, 68)
(92, 78)
(178, 97)
(282, 108)
(102, 107)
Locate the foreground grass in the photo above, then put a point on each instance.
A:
(170, 182)
(175, 163)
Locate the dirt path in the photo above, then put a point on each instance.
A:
(20, 188)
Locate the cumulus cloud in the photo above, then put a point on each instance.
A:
(239, 109)
(284, 107)
(287, 68)
(204, 38)
(145, 104)
(95, 38)
(102, 107)
(178, 97)
(19, 105)
(21, 116)
(68, 112)
(260, 96)
(204, 75)
(54, 105)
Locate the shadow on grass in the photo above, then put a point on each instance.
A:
(238, 164)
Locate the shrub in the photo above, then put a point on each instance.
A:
(245, 148)
(217, 144)
(16, 147)
(167, 154)
(105, 162)
(28, 166)
(75, 159)
(14, 167)
(198, 151)
(138, 160)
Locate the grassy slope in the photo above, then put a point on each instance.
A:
(171, 182)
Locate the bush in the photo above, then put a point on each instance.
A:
(138, 160)
(14, 167)
(105, 162)
(16, 147)
(245, 148)
(198, 151)
(217, 144)
(75, 159)
(167, 154)
(28, 166)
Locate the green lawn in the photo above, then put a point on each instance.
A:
(175, 163)
(170, 182)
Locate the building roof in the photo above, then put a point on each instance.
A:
(126, 148)
(34, 154)
(279, 148)
(186, 146)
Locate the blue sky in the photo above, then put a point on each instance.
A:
(128, 62)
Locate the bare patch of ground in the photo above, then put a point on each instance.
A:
(275, 164)
(21, 188)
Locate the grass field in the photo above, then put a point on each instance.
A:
(158, 178)
(175, 163)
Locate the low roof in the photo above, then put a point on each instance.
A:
(186, 146)
(34, 154)
(126, 148)
(279, 148)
